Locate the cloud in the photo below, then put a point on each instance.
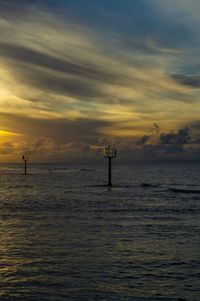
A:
(183, 12)
(33, 57)
(144, 139)
(182, 136)
(156, 128)
(192, 81)
(7, 148)
(60, 130)
(173, 144)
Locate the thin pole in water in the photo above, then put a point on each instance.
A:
(109, 171)
(110, 153)
(25, 158)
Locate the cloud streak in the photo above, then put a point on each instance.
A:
(192, 81)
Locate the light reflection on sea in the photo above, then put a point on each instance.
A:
(65, 236)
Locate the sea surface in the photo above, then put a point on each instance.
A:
(64, 235)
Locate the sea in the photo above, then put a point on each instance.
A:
(66, 235)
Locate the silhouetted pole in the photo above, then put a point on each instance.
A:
(25, 170)
(109, 171)
(25, 158)
(109, 153)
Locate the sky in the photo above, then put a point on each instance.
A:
(78, 75)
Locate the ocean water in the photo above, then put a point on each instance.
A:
(66, 236)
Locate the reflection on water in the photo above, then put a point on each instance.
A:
(65, 236)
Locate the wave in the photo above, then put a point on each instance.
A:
(113, 186)
(149, 185)
(20, 186)
(183, 190)
(87, 170)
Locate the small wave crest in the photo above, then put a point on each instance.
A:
(148, 185)
(184, 190)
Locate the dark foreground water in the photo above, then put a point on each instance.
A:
(65, 236)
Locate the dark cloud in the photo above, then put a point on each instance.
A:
(39, 59)
(156, 128)
(195, 125)
(159, 151)
(60, 130)
(7, 148)
(192, 81)
(44, 81)
(182, 136)
(12, 8)
(59, 85)
(139, 19)
(47, 149)
(19, 8)
(143, 140)
(167, 145)
(128, 19)
(195, 128)
(147, 138)
(61, 76)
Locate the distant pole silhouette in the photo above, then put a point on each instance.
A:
(109, 172)
(110, 153)
(25, 158)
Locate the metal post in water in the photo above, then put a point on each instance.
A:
(25, 158)
(109, 171)
(110, 153)
(25, 170)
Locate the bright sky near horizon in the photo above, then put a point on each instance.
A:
(78, 75)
